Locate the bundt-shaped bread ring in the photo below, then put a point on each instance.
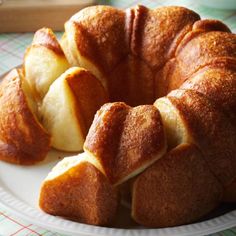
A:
(169, 56)
(140, 55)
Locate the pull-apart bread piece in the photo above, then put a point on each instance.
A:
(124, 141)
(178, 189)
(198, 49)
(218, 83)
(44, 62)
(23, 140)
(94, 39)
(75, 188)
(202, 123)
(69, 106)
(67, 98)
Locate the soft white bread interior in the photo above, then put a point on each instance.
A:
(69, 106)
(75, 188)
(44, 62)
(175, 126)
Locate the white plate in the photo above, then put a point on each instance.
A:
(19, 189)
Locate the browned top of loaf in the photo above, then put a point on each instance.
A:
(203, 48)
(197, 50)
(46, 38)
(129, 46)
(22, 139)
(100, 35)
(125, 139)
(112, 33)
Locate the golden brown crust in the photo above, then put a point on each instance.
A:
(210, 25)
(126, 140)
(82, 194)
(23, 139)
(197, 49)
(155, 42)
(132, 32)
(218, 83)
(89, 94)
(45, 37)
(204, 46)
(177, 189)
(211, 131)
(104, 134)
(100, 35)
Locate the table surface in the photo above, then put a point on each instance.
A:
(12, 47)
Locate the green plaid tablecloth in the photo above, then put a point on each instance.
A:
(12, 47)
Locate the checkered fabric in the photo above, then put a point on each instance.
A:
(12, 226)
(12, 47)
